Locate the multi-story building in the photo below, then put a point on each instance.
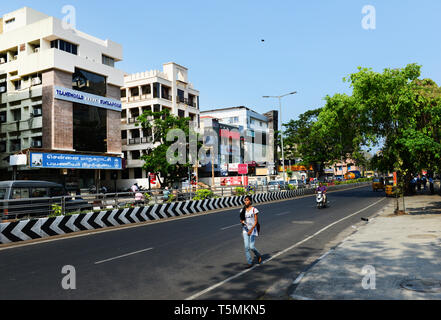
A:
(151, 90)
(59, 100)
(258, 132)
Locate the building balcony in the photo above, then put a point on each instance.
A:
(30, 124)
(132, 120)
(23, 94)
(140, 140)
(134, 163)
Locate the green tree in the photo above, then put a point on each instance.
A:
(155, 160)
(404, 111)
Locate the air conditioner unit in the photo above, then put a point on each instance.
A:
(36, 81)
(2, 60)
(37, 50)
(2, 89)
(37, 112)
(2, 118)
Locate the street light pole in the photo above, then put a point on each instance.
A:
(281, 131)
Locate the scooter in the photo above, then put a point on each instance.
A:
(320, 199)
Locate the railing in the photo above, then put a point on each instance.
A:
(87, 202)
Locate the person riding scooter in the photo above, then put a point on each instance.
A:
(323, 189)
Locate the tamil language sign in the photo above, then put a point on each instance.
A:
(73, 161)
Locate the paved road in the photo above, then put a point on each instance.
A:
(183, 258)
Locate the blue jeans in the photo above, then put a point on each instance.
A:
(249, 246)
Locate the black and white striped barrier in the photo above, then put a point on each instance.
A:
(48, 227)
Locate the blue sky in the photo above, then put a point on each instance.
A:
(309, 45)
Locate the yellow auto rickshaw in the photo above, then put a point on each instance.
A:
(378, 184)
(390, 188)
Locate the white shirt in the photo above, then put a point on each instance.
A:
(250, 221)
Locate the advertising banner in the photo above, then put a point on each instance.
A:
(234, 181)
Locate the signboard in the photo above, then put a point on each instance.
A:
(18, 160)
(224, 169)
(395, 179)
(243, 169)
(73, 161)
(234, 181)
(233, 167)
(262, 171)
(86, 98)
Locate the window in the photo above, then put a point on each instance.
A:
(181, 113)
(181, 97)
(17, 85)
(136, 155)
(138, 173)
(38, 193)
(65, 46)
(20, 193)
(89, 128)
(134, 92)
(2, 148)
(156, 90)
(16, 114)
(57, 192)
(2, 193)
(108, 61)
(3, 118)
(125, 174)
(123, 93)
(146, 89)
(10, 21)
(15, 145)
(124, 134)
(89, 82)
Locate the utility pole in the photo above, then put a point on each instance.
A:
(281, 131)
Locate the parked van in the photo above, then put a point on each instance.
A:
(20, 199)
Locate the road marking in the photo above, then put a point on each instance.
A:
(234, 225)
(299, 278)
(303, 222)
(125, 255)
(283, 213)
(195, 296)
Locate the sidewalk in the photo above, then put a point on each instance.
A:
(404, 251)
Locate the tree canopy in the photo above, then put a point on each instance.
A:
(394, 107)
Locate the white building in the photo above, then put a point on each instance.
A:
(152, 90)
(258, 132)
(59, 93)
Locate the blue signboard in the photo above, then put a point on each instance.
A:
(74, 161)
(86, 98)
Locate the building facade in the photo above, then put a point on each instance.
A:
(155, 91)
(59, 100)
(258, 133)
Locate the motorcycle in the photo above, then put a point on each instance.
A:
(320, 199)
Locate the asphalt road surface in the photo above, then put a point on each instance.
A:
(199, 257)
